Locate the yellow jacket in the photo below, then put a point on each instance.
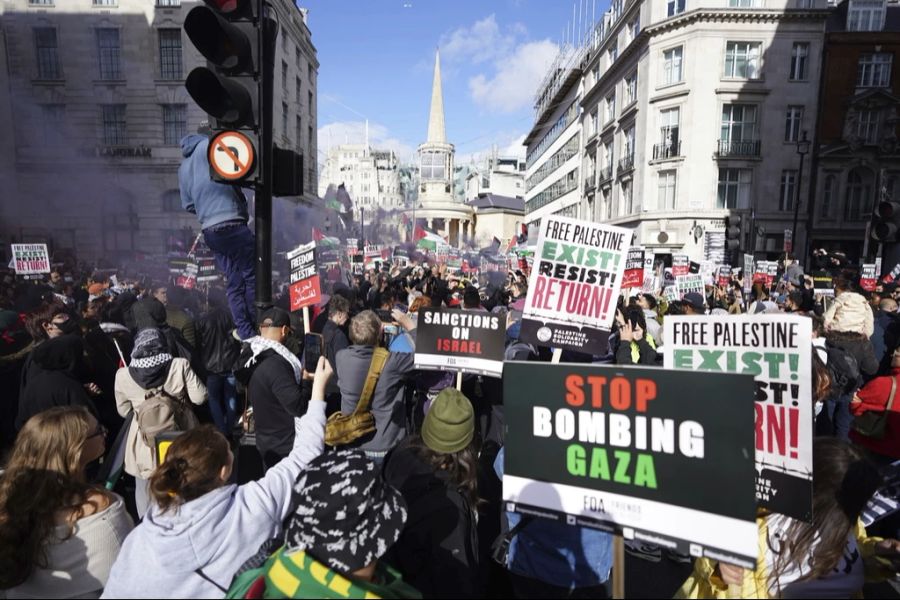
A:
(704, 582)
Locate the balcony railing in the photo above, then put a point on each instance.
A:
(605, 173)
(667, 150)
(728, 148)
(626, 163)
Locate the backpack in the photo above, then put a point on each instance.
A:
(161, 412)
(844, 369)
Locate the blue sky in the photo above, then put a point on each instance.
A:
(376, 59)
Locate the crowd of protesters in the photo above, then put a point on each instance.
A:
(96, 369)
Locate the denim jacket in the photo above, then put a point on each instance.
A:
(562, 555)
(212, 202)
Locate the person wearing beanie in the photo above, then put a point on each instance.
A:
(436, 471)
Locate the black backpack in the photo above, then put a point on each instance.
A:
(844, 369)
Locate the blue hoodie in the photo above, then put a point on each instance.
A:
(212, 202)
(216, 532)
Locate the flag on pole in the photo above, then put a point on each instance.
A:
(428, 240)
(322, 240)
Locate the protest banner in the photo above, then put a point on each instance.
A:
(188, 277)
(823, 283)
(893, 275)
(206, 269)
(689, 283)
(574, 284)
(651, 283)
(681, 264)
(649, 260)
(305, 286)
(776, 350)
(671, 293)
(30, 259)
(761, 273)
(748, 274)
(868, 277)
(460, 340)
(626, 449)
(771, 272)
(634, 269)
(356, 264)
(788, 240)
(724, 275)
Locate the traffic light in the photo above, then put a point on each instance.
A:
(225, 33)
(887, 222)
(733, 233)
(229, 34)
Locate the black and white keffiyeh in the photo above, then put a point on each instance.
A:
(347, 516)
(260, 344)
(150, 359)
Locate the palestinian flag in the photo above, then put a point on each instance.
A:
(322, 240)
(428, 240)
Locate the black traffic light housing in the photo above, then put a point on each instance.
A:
(733, 233)
(886, 224)
(226, 33)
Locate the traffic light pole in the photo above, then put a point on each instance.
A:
(268, 34)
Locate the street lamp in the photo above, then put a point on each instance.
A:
(802, 149)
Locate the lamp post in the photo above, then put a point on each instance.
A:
(802, 149)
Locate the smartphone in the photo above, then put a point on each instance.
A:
(312, 350)
(388, 332)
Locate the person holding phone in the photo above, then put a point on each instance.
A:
(277, 386)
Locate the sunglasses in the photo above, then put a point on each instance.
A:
(101, 430)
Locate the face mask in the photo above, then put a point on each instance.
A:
(67, 327)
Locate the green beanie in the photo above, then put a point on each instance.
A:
(450, 423)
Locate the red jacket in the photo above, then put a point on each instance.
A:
(874, 396)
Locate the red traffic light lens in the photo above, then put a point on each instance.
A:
(225, 6)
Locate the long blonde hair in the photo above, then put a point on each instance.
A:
(43, 477)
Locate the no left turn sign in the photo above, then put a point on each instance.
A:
(231, 155)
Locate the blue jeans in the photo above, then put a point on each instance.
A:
(235, 251)
(838, 408)
(222, 401)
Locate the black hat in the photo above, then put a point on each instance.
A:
(276, 317)
(347, 516)
(695, 300)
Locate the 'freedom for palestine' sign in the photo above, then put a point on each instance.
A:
(574, 284)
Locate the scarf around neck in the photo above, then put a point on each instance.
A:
(260, 344)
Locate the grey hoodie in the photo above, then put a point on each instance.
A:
(217, 532)
(212, 202)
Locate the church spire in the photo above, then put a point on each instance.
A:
(436, 131)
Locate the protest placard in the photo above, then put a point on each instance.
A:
(690, 283)
(771, 272)
(748, 273)
(30, 259)
(461, 340)
(868, 277)
(188, 277)
(634, 269)
(305, 286)
(206, 269)
(671, 293)
(776, 349)
(574, 284)
(649, 260)
(893, 275)
(681, 264)
(724, 275)
(626, 449)
(823, 283)
(761, 273)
